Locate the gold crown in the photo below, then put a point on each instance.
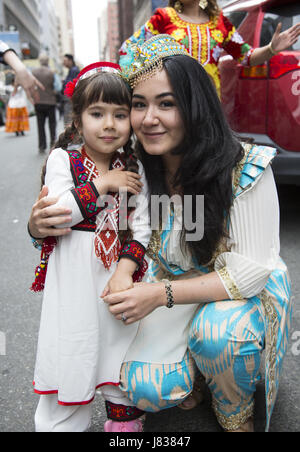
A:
(144, 58)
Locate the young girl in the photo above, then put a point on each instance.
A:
(81, 345)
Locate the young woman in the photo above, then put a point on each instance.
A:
(81, 345)
(228, 293)
(205, 32)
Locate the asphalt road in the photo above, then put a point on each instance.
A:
(20, 309)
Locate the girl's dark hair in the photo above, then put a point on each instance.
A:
(212, 8)
(209, 153)
(110, 89)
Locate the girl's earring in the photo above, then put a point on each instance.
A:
(203, 4)
(178, 6)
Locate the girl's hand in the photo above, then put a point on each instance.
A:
(44, 216)
(115, 180)
(136, 303)
(118, 283)
(284, 40)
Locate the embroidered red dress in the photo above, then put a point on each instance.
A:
(205, 42)
(81, 345)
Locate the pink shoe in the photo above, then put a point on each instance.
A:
(129, 426)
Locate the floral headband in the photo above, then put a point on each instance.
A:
(90, 70)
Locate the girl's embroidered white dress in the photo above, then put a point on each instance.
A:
(81, 345)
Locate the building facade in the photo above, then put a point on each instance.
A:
(143, 10)
(49, 32)
(113, 40)
(63, 11)
(2, 17)
(119, 21)
(126, 13)
(22, 16)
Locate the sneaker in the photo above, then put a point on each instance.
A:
(129, 426)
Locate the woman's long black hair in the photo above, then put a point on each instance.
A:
(209, 153)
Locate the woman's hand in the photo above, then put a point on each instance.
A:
(280, 42)
(26, 79)
(30, 84)
(283, 40)
(135, 304)
(45, 216)
(115, 180)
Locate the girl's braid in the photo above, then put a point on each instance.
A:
(130, 157)
(131, 164)
(70, 135)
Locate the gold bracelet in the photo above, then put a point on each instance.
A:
(169, 293)
(271, 49)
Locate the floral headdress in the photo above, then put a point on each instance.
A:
(144, 59)
(90, 70)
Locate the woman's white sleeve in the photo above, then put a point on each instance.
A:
(254, 240)
(60, 183)
(3, 47)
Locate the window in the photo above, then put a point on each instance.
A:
(289, 15)
(237, 17)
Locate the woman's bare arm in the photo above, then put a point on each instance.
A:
(144, 298)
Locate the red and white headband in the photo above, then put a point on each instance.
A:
(90, 70)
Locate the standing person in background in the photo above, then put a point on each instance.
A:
(17, 118)
(45, 107)
(2, 113)
(23, 77)
(205, 32)
(72, 74)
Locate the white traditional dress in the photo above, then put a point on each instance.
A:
(81, 345)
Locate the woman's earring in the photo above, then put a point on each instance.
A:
(178, 6)
(203, 4)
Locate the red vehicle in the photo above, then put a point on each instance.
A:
(263, 102)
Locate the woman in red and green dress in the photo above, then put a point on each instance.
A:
(205, 32)
(17, 116)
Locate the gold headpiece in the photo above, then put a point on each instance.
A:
(144, 59)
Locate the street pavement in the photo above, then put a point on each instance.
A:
(20, 309)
